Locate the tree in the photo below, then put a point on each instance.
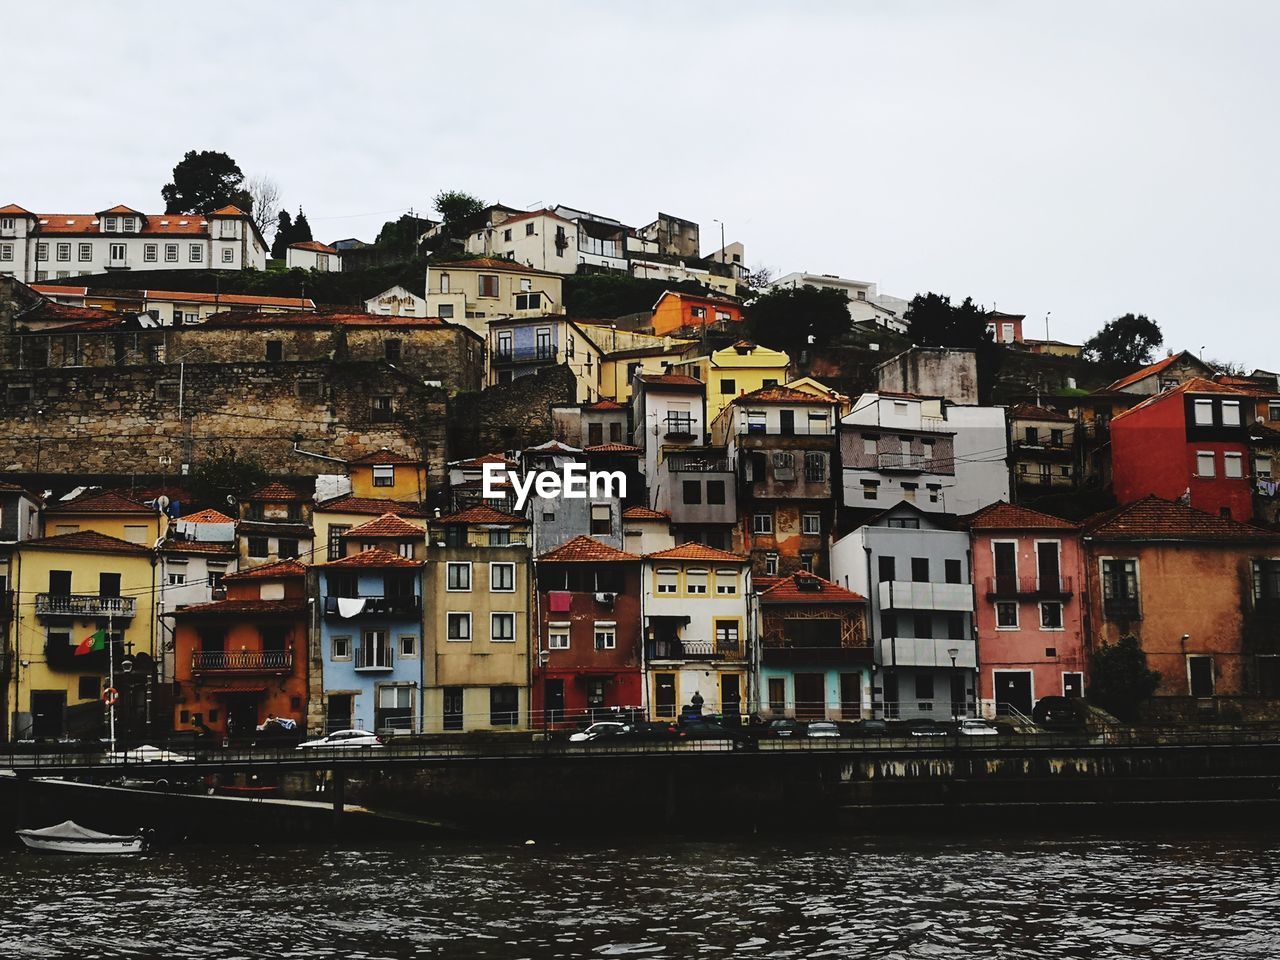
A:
(284, 230)
(1130, 339)
(758, 278)
(400, 236)
(456, 209)
(301, 229)
(225, 474)
(1119, 678)
(204, 181)
(265, 195)
(933, 321)
(796, 319)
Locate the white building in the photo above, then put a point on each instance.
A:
(397, 302)
(668, 414)
(540, 239)
(865, 303)
(45, 246)
(310, 255)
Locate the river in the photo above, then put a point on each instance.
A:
(1209, 896)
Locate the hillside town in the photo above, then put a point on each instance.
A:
(223, 508)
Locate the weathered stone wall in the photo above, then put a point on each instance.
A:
(509, 416)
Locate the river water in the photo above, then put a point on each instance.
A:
(1205, 897)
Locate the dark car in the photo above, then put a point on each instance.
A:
(923, 727)
(871, 728)
(1059, 713)
(783, 728)
(711, 730)
(656, 730)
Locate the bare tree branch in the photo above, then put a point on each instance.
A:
(266, 203)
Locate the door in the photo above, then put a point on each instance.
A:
(1013, 689)
(452, 708)
(730, 697)
(1073, 684)
(850, 696)
(1006, 557)
(777, 696)
(1200, 670)
(242, 714)
(786, 422)
(47, 713)
(339, 714)
(889, 699)
(1047, 565)
(664, 695)
(811, 700)
(554, 692)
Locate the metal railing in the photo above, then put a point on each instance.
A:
(1012, 586)
(377, 606)
(901, 461)
(375, 656)
(83, 605)
(242, 660)
(801, 429)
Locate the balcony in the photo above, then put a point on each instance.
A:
(911, 595)
(374, 656)
(802, 429)
(905, 462)
(242, 661)
(1034, 587)
(925, 652)
(693, 650)
(679, 428)
(547, 354)
(84, 605)
(375, 606)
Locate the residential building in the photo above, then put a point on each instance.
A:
(601, 241)
(195, 559)
(668, 414)
(397, 301)
(47, 246)
(540, 239)
(1031, 611)
(558, 520)
(521, 346)
(370, 641)
(592, 424)
(466, 483)
(619, 368)
(674, 237)
(473, 292)
(332, 519)
(69, 587)
(866, 304)
(782, 443)
(1043, 454)
(19, 521)
(950, 373)
(697, 632)
(108, 512)
(389, 533)
(696, 488)
(242, 658)
(476, 665)
(1005, 328)
(646, 531)
(1264, 447)
(815, 652)
(915, 571)
(680, 311)
(741, 369)
(1199, 591)
(588, 662)
(1190, 441)
(170, 307)
(275, 524)
(386, 474)
(717, 279)
(310, 255)
(1054, 348)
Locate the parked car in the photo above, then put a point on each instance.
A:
(822, 730)
(922, 727)
(1059, 713)
(871, 728)
(972, 727)
(783, 728)
(604, 730)
(711, 730)
(344, 740)
(656, 730)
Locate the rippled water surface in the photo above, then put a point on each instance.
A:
(819, 897)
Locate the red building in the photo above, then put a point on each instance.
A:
(1191, 440)
(588, 632)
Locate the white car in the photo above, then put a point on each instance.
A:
(976, 728)
(343, 740)
(600, 731)
(823, 730)
(147, 754)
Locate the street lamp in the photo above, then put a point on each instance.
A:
(953, 652)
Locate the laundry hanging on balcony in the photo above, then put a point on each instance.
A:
(560, 601)
(350, 606)
(1268, 488)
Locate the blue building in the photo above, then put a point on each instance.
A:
(371, 641)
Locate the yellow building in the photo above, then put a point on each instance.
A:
(740, 369)
(388, 475)
(334, 518)
(69, 586)
(472, 292)
(109, 513)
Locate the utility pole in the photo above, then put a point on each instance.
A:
(112, 694)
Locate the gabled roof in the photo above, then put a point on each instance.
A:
(1029, 411)
(583, 549)
(383, 457)
(490, 263)
(230, 210)
(482, 514)
(210, 547)
(674, 381)
(279, 570)
(374, 558)
(276, 492)
(603, 404)
(120, 208)
(1152, 369)
(313, 246)
(1194, 385)
(1154, 519)
(240, 608)
(807, 588)
(387, 525)
(1007, 516)
(376, 506)
(13, 210)
(481, 461)
(644, 513)
(206, 516)
(103, 501)
(613, 448)
(781, 394)
(85, 541)
(697, 551)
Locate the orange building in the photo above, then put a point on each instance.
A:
(676, 310)
(241, 659)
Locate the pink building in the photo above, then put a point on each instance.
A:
(1027, 577)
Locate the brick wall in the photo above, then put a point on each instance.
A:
(509, 416)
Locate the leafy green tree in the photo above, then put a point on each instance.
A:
(284, 230)
(400, 236)
(225, 473)
(934, 321)
(1119, 678)
(1130, 339)
(795, 319)
(456, 209)
(203, 181)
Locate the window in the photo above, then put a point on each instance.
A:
(42, 251)
(228, 255)
(756, 421)
(727, 636)
(6, 223)
(6, 251)
(259, 547)
(870, 489)
(726, 583)
(771, 564)
(529, 301)
(335, 541)
(696, 582)
(922, 624)
(924, 691)
(459, 626)
(87, 688)
(1033, 436)
(287, 548)
(692, 491)
(64, 252)
(557, 636)
(601, 519)
(887, 568)
(1051, 616)
(953, 571)
(920, 569)
(1233, 465)
(715, 491)
(1200, 676)
(384, 475)
(1120, 587)
(117, 252)
(777, 695)
(149, 251)
(177, 579)
(502, 627)
(380, 410)
(888, 623)
(728, 386)
(500, 537)
(506, 235)
(488, 284)
(408, 645)
(197, 253)
(1204, 463)
(815, 467)
(698, 313)
(784, 466)
(1273, 411)
(458, 576)
(504, 706)
(1204, 413)
(391, 350)
(528, 229)
(340, 648)
(1266, 582)
(1231, 413)
(502, 577)
(170, 253)
(445, 311)
(762, 523)
(668, 580)
(606, 634)
(275, 351)
(811, 524)
(1262, 467)
(955, 626)
(869, 444)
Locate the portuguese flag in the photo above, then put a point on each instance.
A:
(95, 641)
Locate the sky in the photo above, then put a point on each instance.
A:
(1078, 160)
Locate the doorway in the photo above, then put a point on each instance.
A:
(1013, 689)
(339, 713)
(664, 695)
(242, 713)
(554, 694)
(452, 708)
(1200, 674)
(730, 697)
(850, 696)
(48, 708)
(811, 701)
(1073, 684)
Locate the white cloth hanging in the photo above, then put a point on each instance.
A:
(350, 606)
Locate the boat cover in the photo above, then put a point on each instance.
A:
(70, 830)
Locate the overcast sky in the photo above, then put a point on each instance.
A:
(1082, 158)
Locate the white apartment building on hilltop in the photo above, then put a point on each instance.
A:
(52, 246)
(865, 303)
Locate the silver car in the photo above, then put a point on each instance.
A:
(344, 740)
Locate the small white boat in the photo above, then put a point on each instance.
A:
(70, 837)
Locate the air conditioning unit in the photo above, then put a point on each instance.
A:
(605, 598)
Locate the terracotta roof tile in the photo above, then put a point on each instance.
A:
(1007, 516)
(481, 461)
(1154, 519)
(13, 210)
(604, 404)
(782, 395)
(697, 551)
(481, 514)
(489, 263)
(206, 516)
(103, 501)
(346, 503)
(1194, 385)
(676, 380)
(208, 547)
(613, 448)
(314, 246)
(1147, 371)
(240, 608)
(387, 525)
(644, 513)
(382, 457)
(583, 549)
(276, 492)
(169, 224)
(85, 541)
(807, 588)
(1029, 411)
(269, 571)
(230, 210)
(121, 208)
(374, 558)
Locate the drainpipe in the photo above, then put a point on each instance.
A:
(319, 456)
